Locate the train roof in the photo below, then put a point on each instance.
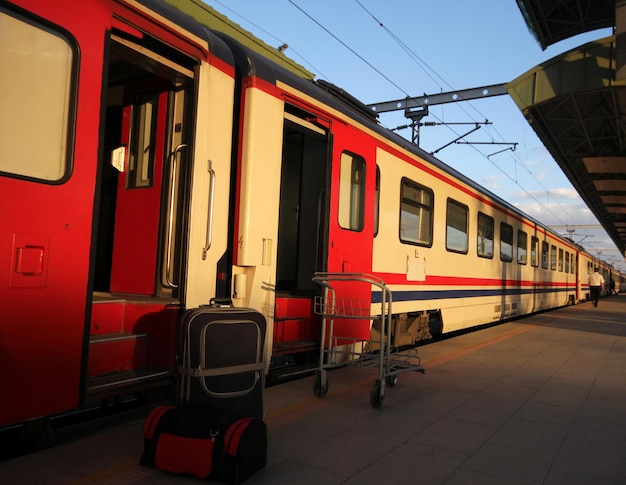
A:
(250, 63)
(217, 46)
(217, 22)
(252, 57)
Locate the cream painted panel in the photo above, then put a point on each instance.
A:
(213, 143)
(391, 256)
(260, 179)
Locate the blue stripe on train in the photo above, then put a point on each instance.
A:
(409, 295)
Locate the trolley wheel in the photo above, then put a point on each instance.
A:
(378, 395)
(392, 380)
(318, 389)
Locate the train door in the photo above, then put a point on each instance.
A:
(323, 226)
(301, 249)
(49, 134)
(153, 163)
(302, 205)
(351, 221)
(141, 211)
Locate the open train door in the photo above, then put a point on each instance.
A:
(351, 221)
(142, 215)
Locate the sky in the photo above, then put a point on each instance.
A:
(388, 50)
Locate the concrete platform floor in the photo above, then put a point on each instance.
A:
(536, 401)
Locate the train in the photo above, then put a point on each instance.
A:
(153, 166)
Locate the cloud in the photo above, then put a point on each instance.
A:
(552, 213)
(551, 196)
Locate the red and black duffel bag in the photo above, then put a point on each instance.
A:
(190, 439)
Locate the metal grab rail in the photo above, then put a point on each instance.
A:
(208, 240)
(172, 215)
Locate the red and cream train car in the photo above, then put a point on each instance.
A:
(117, 122)
(152, 166)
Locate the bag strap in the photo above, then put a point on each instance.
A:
(233, 435)
(151, 422)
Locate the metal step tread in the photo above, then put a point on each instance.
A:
(120, 380)
(112, 337)
(295, 345)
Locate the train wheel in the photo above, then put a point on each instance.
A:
(378, 395)
(319, 389)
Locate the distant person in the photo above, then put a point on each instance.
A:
(613, 290)
(596, 286)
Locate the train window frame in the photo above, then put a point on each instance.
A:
(522, 247)
(506, 243)
(351, 210)
(552, 257)
(560, 260)
(456, 244)
(49, 160)
(534, 251)
(144, 115)
(545, 248)
(417, 206)
(485, 228)
(566, 262)
(377, 202)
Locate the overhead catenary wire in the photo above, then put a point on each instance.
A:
(429, 71)
(347, 46)
(426, 68)
(279, 41)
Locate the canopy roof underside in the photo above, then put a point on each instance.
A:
(576, 103)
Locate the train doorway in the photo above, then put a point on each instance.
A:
(302, 235)
(143, 177)
(303, 211)
(141, 218)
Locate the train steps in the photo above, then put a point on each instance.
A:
(131, 345)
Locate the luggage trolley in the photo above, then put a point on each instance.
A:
(374, 353)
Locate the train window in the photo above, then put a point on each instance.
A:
(506, 242)
(456, 227)
(553, 257)
(534, 260)
(416, 213)
(566, 262)
(142, 142)
(522, 247)
(38, 94)
(561, 259)
(544, 254)
(351, 192)
(484, 239)
(377, 202)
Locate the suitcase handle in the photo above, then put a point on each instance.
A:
(220, 371)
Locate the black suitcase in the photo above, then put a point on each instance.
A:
(222, 360)
(189, 439)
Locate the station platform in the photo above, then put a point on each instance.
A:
(541, 400)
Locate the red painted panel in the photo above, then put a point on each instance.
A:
(294, 320)
(116, 355)
(107, 317)
(159, 322)
(137, 220)
(42, 326)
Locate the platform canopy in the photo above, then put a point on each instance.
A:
(551, 21)
(576, 102)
